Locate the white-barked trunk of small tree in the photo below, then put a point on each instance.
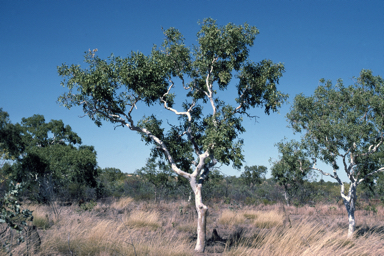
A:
(201, 220)
(200, 207)
(350, 206)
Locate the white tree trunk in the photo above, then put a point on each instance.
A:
(352, 223)
(201, 219)
(350, 206)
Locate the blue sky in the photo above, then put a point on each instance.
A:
(314, 39)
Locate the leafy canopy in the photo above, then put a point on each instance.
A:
(208, 129)
(292, 166)
(48, 149)
(343, 121)
(254, 174)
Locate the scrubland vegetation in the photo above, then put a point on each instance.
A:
(125, 226)
(82, 209)
(134, 215)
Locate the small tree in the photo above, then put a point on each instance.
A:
(12, 214)
(49, 154)
(253, 175)
(113, 89)
(346, 124)
(291, 168)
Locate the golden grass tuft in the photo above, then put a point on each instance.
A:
(140, 219)
(187, 227)
(250, 215)
(122, 203)
(268, 219)
(162, 229)
(40, 218)
(86, 235)
(307, 239)
(260, 219)
(229, 217)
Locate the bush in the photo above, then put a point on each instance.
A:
(11, 214)
(250, 201)
(88, 206)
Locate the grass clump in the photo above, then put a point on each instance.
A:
(268, 219)
(140, 219)
(229, 217)
(162, 229)
(41, 222)
(260, 219)
(40, 217)
(122, 203)
(88, 206)
(306, 238)
(86, 234)
(250, 215)
(189, 227)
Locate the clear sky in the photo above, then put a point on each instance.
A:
(314, 39)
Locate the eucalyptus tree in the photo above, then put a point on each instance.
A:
(344, 124)
(253, 175)
(208, 128)
(11, 144)
(49, 154)
(291, 168)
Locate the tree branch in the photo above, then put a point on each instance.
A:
(209, 88)
(370, 174)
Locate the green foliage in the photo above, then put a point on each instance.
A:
(42, 222)
(227, 200)
(292, 167)
(337, 120)
(371, 208)
(11, 212)
(47, 157)
(254, 175)
(110, 182)
(47, 154)
(161, 179)
(216, 185)
(11, 143)
(380, 186)
(267, 202)
(88, 206)
(110, 174)
(161, 176)
(347, 124)
(111, 90)
(250, 201)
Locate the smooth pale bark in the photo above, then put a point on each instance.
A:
(201, 220)
(350, 205)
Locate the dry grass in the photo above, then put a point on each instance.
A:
(308, 239)
(140, 219)
(229, 217)
(41, 217)
(122, 203)
(260, 219)
(268, 219)
(87, 235)
(124, 227)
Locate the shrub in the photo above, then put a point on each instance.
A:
(88, 206)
